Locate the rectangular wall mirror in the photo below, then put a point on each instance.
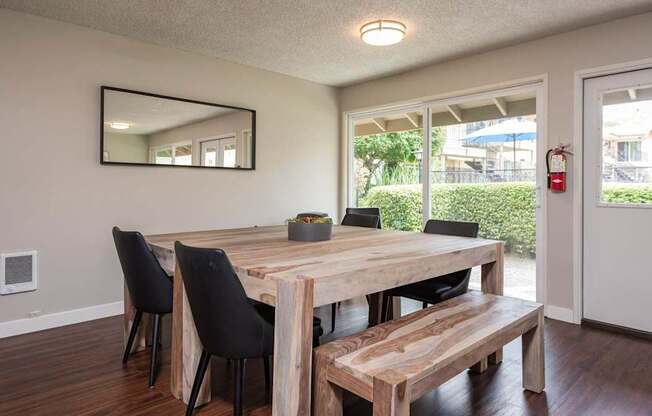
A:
(148, 129)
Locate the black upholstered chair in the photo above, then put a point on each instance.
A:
(229, 324)
(356, 220)
(441, 288)
(366, 211)
(150, 289)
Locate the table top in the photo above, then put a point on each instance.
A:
(354, 255)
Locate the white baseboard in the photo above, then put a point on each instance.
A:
(55, 320)
(558, 313)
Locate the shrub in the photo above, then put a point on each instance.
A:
(627, 194)
(505, 211)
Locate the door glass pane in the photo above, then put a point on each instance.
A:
(387, 167)
(183, 155)
(209, 153)
(627, 146)
(229, 155)
(163, 156)
(484, 171)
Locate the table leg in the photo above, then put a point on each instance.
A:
(140, 343)
(375, 301)
(186, 348)
(492, 282)
(293, 348)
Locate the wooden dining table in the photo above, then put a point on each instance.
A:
(296, 277)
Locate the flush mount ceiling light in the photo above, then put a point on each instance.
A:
(382, 32)
(119, 125)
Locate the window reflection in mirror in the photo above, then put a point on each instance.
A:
(140, 128)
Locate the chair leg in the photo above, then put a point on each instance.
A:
(266, 367)
(424, 305)
(132, 335)
(239, 373)
(156, 330)
(204, 361)
(333, 313)
(384, 310)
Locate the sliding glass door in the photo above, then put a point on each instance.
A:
(483, 163)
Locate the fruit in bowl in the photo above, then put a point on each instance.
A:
(310, 226)
(307, 219)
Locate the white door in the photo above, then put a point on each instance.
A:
(617, 281)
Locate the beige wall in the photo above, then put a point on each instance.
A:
(559, 57)
(127, 147)
(58, 199)
(232, 123)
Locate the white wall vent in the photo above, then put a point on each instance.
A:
(18, 272)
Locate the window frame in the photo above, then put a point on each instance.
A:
(173, 148)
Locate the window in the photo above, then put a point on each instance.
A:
(626, 160)
(163, 156)
(629, 151)
(388, 157)
(183, 155)
(179, 154)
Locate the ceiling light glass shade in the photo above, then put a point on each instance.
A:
(382, 32)
(119, 126)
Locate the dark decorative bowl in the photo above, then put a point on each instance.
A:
(309, 232)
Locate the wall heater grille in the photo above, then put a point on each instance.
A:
(18, 272)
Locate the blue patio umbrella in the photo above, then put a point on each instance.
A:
(509, 131)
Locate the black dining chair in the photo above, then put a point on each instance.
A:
(366, 211)
(439, 289)
(229, 324)
(150, 290)
(355, 220)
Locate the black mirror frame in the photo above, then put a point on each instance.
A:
(104, 88)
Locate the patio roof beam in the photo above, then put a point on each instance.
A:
(501, 104)
(381, 123)
(632, 94)
(455, 111)
(413, 118)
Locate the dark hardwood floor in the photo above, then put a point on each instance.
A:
(77, 370)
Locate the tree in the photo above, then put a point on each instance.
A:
(390, 150)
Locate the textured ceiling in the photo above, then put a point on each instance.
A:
(319, 40)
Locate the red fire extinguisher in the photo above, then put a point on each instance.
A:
(556, 166)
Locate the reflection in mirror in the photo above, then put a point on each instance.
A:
(140, 128)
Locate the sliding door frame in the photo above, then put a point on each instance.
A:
(538, 85)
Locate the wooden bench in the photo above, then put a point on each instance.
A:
(395, 363)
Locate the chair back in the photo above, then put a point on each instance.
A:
(458, 281)
(456, 228)
(150, 288)
(361, 220)
(366, 211)
(227, 324)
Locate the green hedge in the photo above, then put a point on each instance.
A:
(627, 194)
(505, 211)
